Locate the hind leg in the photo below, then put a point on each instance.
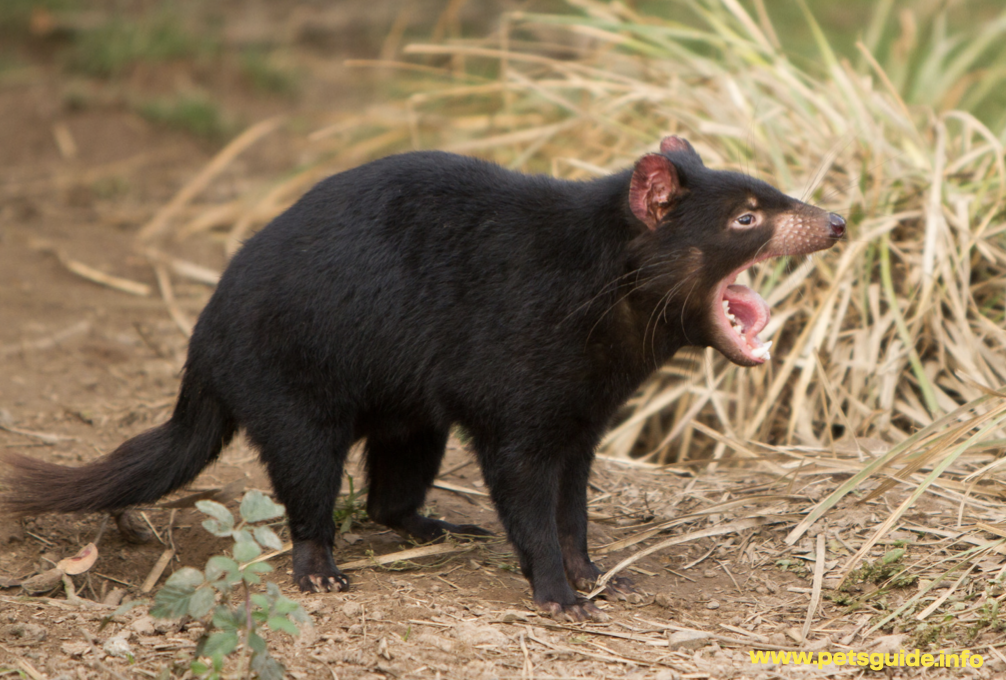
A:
(305, 465)
(400, 470)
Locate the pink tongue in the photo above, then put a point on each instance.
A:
(749, 307)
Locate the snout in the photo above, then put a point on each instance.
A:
(837, 225)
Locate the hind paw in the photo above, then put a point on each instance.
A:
(621, 588)
(427, 529)
(132, 528)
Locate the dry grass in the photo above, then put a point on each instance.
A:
(891, 349)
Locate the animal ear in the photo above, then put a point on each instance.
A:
(654, 186)
(674, 143)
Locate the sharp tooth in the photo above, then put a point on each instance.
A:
(761, 352)
(734, 321)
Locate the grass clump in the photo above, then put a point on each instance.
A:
(350, 509)
(265, 75)
(114, 47)
(196, 115)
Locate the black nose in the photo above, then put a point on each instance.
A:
(837, 224)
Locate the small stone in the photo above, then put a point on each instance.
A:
(511, 615)
(431, 640)
(688, 639)
(114, 597)
(163, 626)
(710, 573)
(352, 609)
(712, 604)
(889, 643)
(382, 649)
(24, 633)
(664, 600)
(44, 582)
(143, 625)
(352, 539)
(479, 634)
(667, 674)
(74, 649)
(118, 646)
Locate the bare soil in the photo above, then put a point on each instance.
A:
(83, 367)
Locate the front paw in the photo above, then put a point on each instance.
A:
(578, 611)
(322, 583)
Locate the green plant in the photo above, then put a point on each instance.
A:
(233, 629)
(265, 75)
(194, 114)
(114, 47)
(350, 509)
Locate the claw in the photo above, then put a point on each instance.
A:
(620, 588)
(318, 583)
(578, 612)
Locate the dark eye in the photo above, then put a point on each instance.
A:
(747, 220)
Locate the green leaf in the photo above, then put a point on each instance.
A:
(250, 577)
(256, 507)
(201, 602)
(285, 605)
(222, 643)
(256, 643)
(242, 535)
(225, 619)
(198, 667)
(246, 551)
(260, 600)
(186, 577)
(220, 566)
(221, 521)
(892, 556)
(268, 538)
(259, 568)
(172, 601)
(267, 667)
(282, 623)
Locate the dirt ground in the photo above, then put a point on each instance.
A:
(84, 366)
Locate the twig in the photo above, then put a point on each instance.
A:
(160, 222)
(732, 527)
(167, 294)
(97, 276)
(815, 596)
(157, 570)
(47, 343)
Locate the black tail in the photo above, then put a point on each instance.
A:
(141, 470)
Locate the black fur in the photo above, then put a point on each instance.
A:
(425, 290)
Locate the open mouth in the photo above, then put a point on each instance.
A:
(740, 314)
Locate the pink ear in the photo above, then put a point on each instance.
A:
(675, 143)
(652, 189)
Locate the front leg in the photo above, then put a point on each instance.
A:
(571, 520)
(524, 483)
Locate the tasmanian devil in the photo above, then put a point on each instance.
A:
(427, 289)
